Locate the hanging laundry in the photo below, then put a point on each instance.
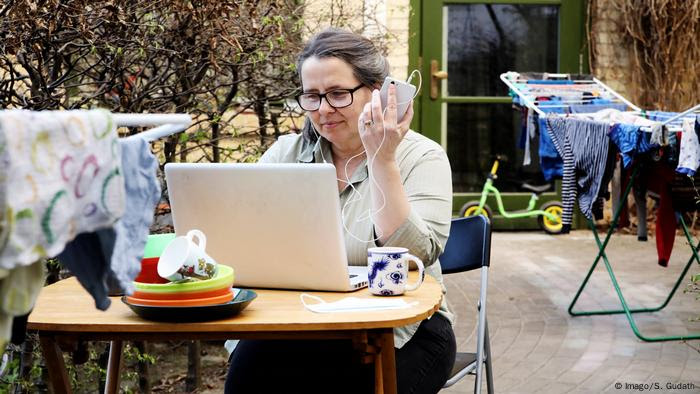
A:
(61, 176)
(523, 127)
(583, 145)
(19, 329)
(551, 162)
(659, 179)
(142, 196)
(639, 191)
(19, 289)
(530, 133)
(88, 257)
(631, 141)
(603, 193)
(612, 115)
(659, 115)
(550, 82)
(658, 135)
(689, 156)
(593, 107)
(108, 260)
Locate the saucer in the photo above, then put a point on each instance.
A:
(183, 314)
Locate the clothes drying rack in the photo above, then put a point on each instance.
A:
(532, 92)
(167, 124)
(528, 95)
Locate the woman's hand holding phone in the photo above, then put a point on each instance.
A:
(380, 130)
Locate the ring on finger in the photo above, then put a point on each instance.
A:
(369, 123)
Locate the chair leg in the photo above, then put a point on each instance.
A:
(489, 367)
(479, 350)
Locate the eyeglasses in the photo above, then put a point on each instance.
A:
(337, 98)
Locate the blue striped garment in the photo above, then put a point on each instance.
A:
(583, 145)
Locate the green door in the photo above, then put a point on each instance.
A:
(461, 48)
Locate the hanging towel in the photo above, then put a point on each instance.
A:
(62, 177)
(583, 145)
(142, 195)
(689, 157)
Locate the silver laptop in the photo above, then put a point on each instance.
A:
(277, 225)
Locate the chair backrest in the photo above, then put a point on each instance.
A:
(468, 246)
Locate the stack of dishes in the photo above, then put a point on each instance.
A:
(156, 298)
(216, 290)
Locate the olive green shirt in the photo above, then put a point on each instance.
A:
(427, 181)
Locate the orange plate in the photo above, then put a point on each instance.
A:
(221, 299)
(181, 295)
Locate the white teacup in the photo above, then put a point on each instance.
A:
(387, 270)
(182, 258)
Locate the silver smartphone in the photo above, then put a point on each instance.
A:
(404, 95)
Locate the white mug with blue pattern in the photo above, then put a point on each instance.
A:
(387, 270)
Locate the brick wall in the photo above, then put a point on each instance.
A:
(397, 23)
(372, 17)
(610, 59)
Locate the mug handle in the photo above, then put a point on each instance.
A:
(201, 238)
(421, 272)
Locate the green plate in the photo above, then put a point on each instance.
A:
(223, 278)
(156, 243)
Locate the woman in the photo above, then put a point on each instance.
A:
(403, 197)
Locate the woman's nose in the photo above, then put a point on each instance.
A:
(325, 107)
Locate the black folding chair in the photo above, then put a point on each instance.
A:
(469, 248)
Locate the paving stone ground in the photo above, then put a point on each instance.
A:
(539, 348)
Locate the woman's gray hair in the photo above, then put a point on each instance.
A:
(368, 65)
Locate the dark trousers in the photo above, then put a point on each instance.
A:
(332, 366)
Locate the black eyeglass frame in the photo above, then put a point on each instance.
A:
(322, 96)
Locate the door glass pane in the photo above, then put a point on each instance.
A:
(476, 134)
(485, 40)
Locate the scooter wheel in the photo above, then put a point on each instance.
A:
(472, 209)
(551, 226)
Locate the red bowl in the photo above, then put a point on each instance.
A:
(149, 271)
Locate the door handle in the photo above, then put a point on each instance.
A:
(436, 76)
